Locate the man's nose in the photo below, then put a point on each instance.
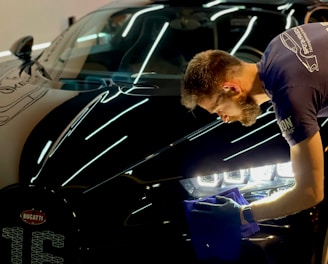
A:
(224, 117)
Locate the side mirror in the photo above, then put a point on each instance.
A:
(22, 48)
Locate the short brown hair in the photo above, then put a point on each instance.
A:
(204, 73)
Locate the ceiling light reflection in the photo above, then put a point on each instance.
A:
(324, 122)
(135, 16)
(94, 159)
(44, 151)
(254, 131)
(245, 35)
(75, 122)
(289, 19)
(115, 118)
(142, 208)
(252, 147)
(218, 122)
(285, 6)
(226, 11)
(151, 51)
(213, 3)
(91, 37)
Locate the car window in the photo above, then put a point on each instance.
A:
(155, 40)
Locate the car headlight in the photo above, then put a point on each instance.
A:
(269, 177)
(285, 169)
(213, 180)
(236, 177)
(263, 173)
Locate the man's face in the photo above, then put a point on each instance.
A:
(240, 108)
(249, 110)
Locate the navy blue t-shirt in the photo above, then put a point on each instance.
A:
(294, 72)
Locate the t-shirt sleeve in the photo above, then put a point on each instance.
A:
(296, 112)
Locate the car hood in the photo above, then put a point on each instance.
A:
(96, 136)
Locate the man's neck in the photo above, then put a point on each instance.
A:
(256, 90)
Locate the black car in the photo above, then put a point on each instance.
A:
(99, 157)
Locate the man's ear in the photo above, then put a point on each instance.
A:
(231, 87)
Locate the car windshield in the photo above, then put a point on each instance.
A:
(156, 41)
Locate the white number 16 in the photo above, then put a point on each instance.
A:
(15, 234)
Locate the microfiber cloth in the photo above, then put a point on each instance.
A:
(213, 238)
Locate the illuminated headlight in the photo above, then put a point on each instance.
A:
(213, 180)
(236, 177)
(285, 169)
(263, 173)
(257, 179)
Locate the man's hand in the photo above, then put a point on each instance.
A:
(225, 210)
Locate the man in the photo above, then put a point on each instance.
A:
(293, 74)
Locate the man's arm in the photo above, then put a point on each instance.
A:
(308, 167)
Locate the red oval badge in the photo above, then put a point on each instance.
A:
(33, 217)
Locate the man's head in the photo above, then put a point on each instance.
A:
(213, 80)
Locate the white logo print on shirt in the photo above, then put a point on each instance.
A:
(301, 47)
(286, 126)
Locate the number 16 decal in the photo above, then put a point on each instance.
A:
(15, 234)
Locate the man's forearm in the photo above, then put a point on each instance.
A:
(280, 204)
